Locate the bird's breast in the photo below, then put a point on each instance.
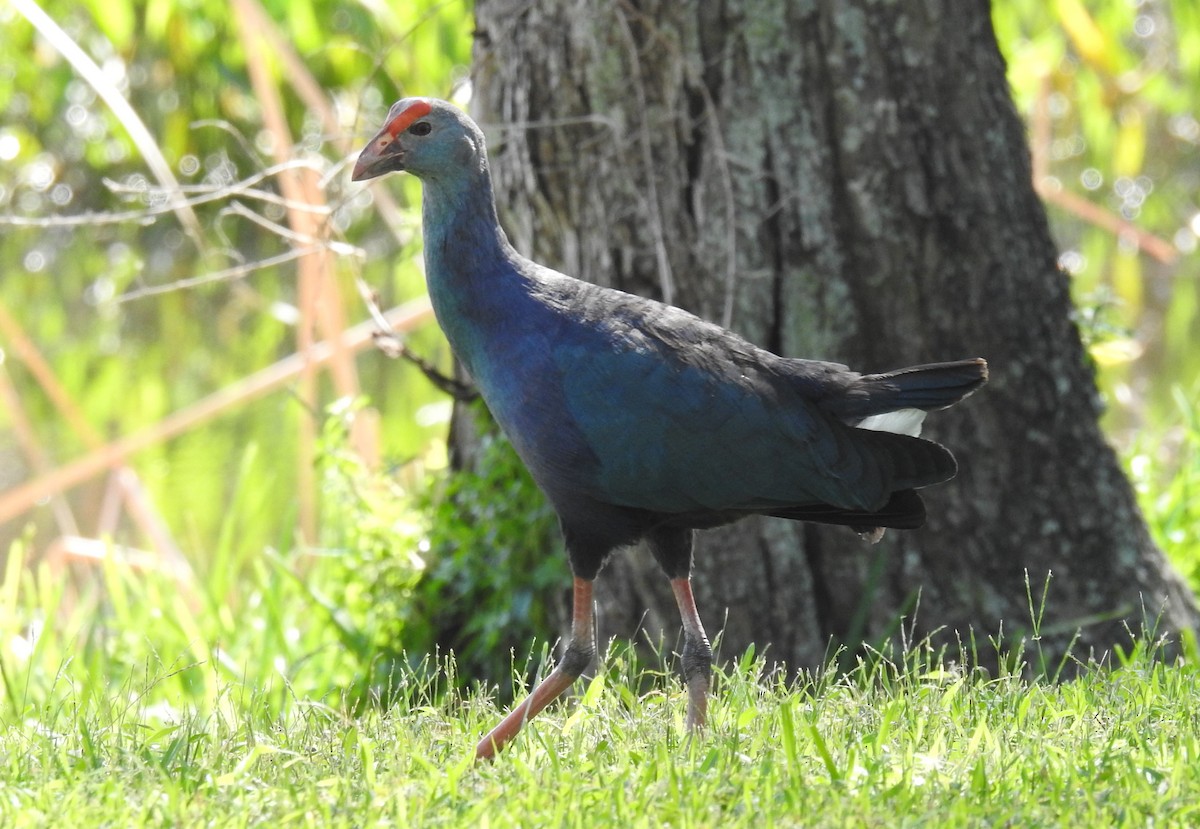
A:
(508, 352)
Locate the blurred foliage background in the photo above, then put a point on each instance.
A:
(1110, 91)
(177, 221)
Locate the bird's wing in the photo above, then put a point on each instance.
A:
(684, 416)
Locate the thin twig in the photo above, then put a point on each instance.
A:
(1097, 216)
(310, 91)
(205, 194)
(225, 275)
(392, 344)
(341, 248)
(120, 107)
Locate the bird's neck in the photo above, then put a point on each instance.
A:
(463, 238)
(474, 282)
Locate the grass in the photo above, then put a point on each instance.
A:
(908, 744)
(243, 698)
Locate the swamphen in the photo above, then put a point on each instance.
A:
(640, 421)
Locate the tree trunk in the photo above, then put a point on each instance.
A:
(846, 181)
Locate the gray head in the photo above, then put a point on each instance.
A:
(427, 137)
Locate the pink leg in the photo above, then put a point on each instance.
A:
(579, 653)
(697, 654)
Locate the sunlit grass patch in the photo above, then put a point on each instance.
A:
(902, 739)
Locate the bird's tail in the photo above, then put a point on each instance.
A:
(898, 400)
(905, 464)
(896, 403)
(928, 387)
(904, 511)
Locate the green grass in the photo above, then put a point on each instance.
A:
(245, 697)
(913, 744)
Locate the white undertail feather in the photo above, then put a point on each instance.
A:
(899, 422)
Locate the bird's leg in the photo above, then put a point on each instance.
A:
(579, 654)
(697, 654)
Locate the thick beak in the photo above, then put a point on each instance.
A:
(381, 155)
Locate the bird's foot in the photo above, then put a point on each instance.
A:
(578, 656)
(697, 715)
(545, 693)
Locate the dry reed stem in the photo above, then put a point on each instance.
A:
(137, 501)
(319, 300)
(21, 498)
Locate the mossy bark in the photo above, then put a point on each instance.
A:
(846, 181)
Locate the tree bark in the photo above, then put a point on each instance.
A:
(847, 181)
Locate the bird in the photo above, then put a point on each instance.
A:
(641, 422)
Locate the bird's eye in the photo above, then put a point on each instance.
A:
(420, 128)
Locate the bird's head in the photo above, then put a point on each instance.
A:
(424, 136)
